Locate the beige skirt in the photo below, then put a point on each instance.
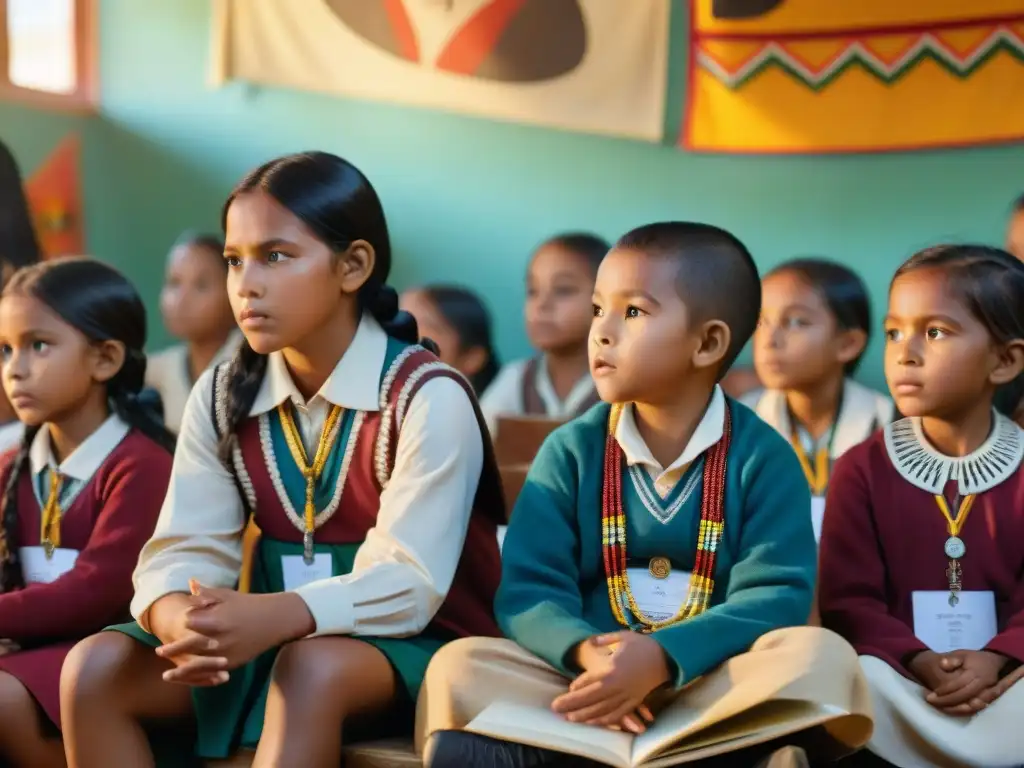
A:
(800, 664)
(911, 733)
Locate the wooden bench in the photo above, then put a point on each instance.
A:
(389, 753)
(512, 479)
(520, 437)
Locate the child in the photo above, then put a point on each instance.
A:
(923, 545)
(814, 326)
(327, 404)
(82, 494)
(706, 491)
(458, 322)
(196, 310)
(1015, 229)
(556, 383)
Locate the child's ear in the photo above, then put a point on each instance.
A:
(355, 265)
(851, 345)
(1010, 364)
(714, 344)
(107, 359)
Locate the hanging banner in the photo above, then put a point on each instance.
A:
(54, 195)
(868, 76)
(597, 66)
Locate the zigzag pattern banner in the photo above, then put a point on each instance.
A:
(883, 76)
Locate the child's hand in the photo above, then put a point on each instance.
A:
(933, 670)
(974, 673)
(235, 627)
(168, 620)
(612, 689)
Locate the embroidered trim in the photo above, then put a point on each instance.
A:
(924, 467)
(380, 453)
(661, 513)
(221, 376)
(269, 457)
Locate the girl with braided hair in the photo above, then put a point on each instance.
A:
(82, 493)
(362, 460)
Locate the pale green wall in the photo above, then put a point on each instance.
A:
(468, 198)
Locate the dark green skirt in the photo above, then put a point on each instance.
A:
(230, 716)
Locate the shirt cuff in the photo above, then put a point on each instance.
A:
(152, 585)
(330, 605)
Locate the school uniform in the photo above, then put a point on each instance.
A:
(110, 491)
(406, 509)
(524, 388)
(11, 435)
(168, 373)
(862, 412)
(555, 592)
(885, 583)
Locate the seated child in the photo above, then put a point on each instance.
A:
(362, 460)
(556, 383)
(458, 322)
(670, 487)
(81, 495)
(195, 308)
(922, 549)
(814, 326)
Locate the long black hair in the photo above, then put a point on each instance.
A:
(102, 304)
(18, 244)
(843, 291)
(468, 316)
(339, 205)
(989, 282)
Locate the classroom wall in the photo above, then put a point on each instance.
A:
(468, 198)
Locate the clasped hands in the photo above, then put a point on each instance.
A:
(620, 670)
(963, 682)
(212, 631)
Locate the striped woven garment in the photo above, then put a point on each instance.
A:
(613, 532)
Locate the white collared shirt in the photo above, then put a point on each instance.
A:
(11, 435)
(708, 432)
(402, 572)
(78, 468)
(504, 397)
(167, 372)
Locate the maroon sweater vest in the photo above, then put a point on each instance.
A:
(468, 609)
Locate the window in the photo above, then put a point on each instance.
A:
(47, 51)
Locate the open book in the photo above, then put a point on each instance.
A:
(775, 690)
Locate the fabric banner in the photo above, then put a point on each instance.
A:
(54, 195)
(864, 76)
(597, 66)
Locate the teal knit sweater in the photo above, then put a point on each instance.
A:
(553, 592)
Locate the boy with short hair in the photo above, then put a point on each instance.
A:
(661, 542)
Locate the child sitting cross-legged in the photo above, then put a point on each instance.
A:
(677, 562)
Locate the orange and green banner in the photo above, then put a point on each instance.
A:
(866, 76)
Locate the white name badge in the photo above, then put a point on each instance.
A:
(817, 515)
(39, 569)
(969, 625)
(658, 599)
(298, 574)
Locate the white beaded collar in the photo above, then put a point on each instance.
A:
(921, 465)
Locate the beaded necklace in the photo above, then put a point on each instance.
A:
(613, 530)
(311, 472)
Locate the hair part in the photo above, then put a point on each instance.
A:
(339, 205)
(100, 303)
(989, 283)
(19, 246)
(717, 277)
(842, 290)
(464, 311)
(586, 245)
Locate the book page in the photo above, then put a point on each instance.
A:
(540, 727)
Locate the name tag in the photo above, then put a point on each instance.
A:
(297, 574)
(659, 599)
(817, 515)
(39, 569)
(969, 625)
